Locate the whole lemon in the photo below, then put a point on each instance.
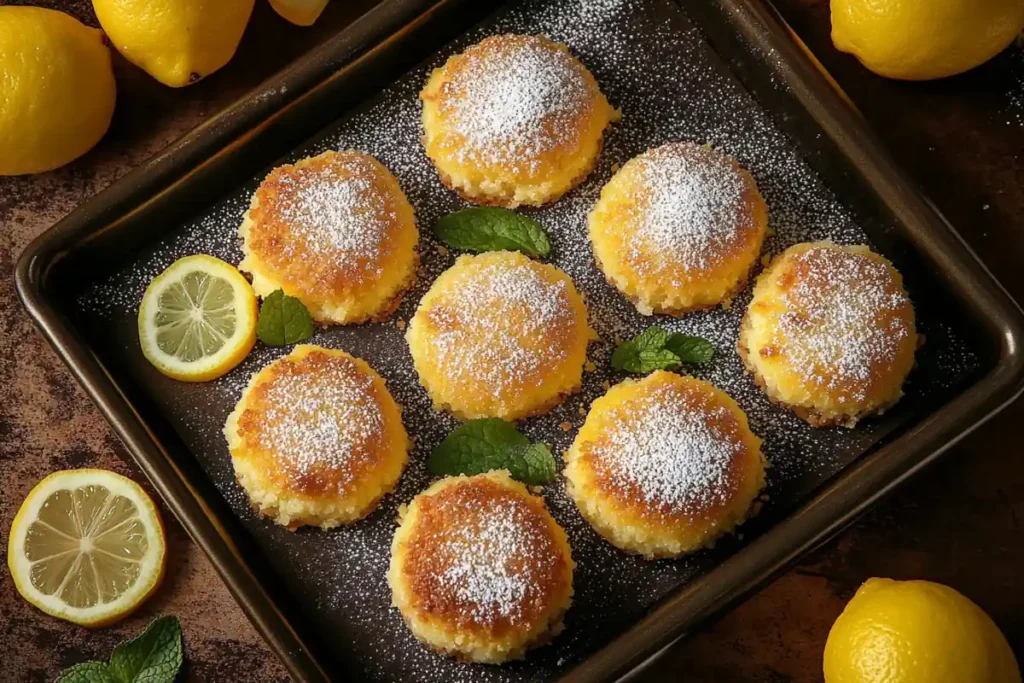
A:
(916, 632)
(57, 89)
(299, 12)
(919, 40)
(177, 42)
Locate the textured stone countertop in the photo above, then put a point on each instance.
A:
(959, 522)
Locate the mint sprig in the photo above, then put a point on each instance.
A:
(283, 320)
(690, 350)
(480, 446)
(482, 228)
(154, 656)
(657, 349)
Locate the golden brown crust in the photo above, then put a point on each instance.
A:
(689, 397)
(665, 465)
(545, 145)
(813, 417)
(725, 302)
(678, 229)
(507, 201)
(337, 232)
(458, 512)
(272, 234)
(318, 478)
(829, 368)
(500, 335)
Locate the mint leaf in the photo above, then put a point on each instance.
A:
(690, 349)
(645, 353)
(652, 339)
(283, 320)
(655, 349)
(152, 657)
(86, 672)
(480, 446)
(643, 362)
(482, 228)
(538, 465)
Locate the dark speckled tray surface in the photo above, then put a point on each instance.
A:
(655, 64)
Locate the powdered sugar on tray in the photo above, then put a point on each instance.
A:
(656, 67)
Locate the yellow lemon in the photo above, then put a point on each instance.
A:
(916, 632)
(919, 40)
(87, 546)
(299, 12)
(56, 89)
(176, 41)
(198, 319)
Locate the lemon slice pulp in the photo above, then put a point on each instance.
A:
(198, 319)
(87, 546)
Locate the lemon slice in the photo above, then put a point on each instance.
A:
(299, 12)
(198, 319)
(87, 546)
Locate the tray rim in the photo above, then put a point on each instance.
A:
(838, 503)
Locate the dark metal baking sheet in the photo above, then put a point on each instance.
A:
(722, 72)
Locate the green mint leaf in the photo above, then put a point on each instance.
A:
(535, 465)
(690, 349)
(645, 353)
(480, 446)
(152, 657)
(656, 349)
(651, 339)
(627, 357)
(86, 672)
(482, 228)
(283, 320)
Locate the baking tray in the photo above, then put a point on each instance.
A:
(728, 72)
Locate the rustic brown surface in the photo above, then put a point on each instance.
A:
(958, 523)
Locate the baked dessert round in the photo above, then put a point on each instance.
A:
(479, 568)
(316, 439)
(678, 228)
(500, 335)
(334, 231)
(665, 465)
(830, 333)
(513, 120)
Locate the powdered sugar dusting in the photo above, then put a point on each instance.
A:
(491, 565)
(673, 450)
(319, 421)
(847, 318)
(335, 210)
(689, 208)
(502, 325)
(515, 98)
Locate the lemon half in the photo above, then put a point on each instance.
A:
(197, 320)
(87, 546)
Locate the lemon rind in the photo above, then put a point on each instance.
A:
(152, 563)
